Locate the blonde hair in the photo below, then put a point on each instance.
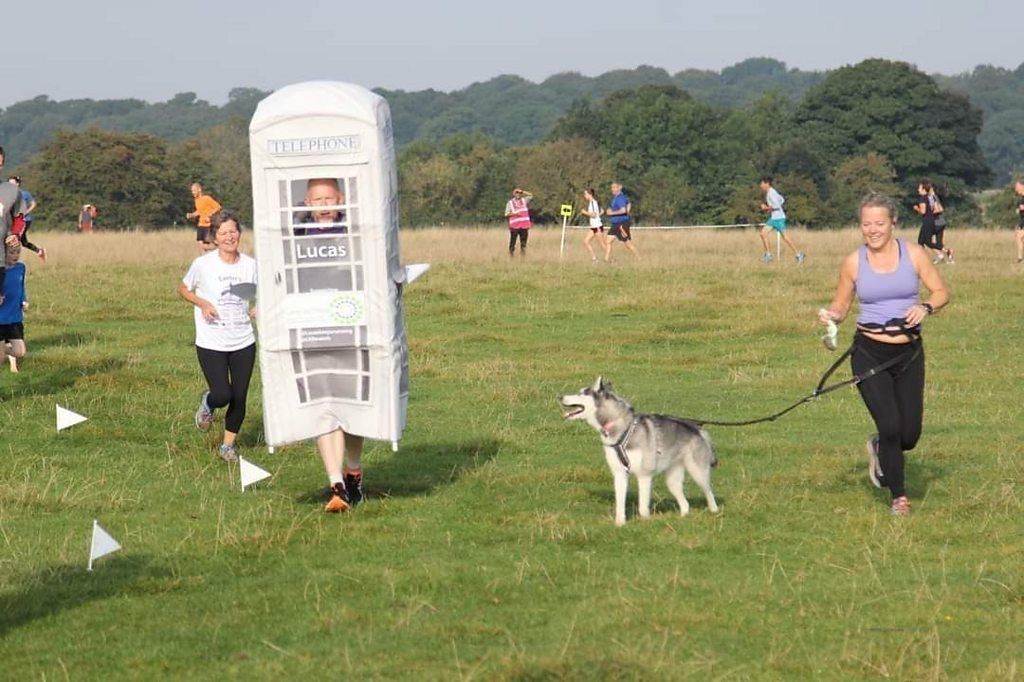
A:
(878, 200)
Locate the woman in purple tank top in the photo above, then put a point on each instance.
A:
(885, 275)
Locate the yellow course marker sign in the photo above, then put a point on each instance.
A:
(566, 211)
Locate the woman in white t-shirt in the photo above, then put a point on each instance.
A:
(221, 285)
(593, 212)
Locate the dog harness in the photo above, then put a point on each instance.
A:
(620, 445)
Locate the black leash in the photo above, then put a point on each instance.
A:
(821, 388)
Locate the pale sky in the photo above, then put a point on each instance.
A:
(152, 50)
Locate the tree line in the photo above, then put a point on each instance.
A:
(878, 125)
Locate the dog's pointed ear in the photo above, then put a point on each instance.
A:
(598, 385)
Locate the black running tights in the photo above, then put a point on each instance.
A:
(930, 236)
(24, 239)
(227, 374)
(522, 234)
(895, 399)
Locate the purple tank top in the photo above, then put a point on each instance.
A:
(886, 295)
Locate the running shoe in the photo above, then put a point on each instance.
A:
(900, 506)
(767, 258)
(339, 499)
(42, 255)
(228, 453)
(354, 487)
(800, 257)
(204, 415)
(949, 257)
(874, 468)
(13, 361)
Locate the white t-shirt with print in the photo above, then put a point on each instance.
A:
(230, 288)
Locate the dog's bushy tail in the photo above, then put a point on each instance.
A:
(711, 446)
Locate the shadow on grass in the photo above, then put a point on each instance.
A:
(421, 469)
(47, 379)
(662, 501)
(58, 588)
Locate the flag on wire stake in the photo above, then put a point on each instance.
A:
(102, 544)
(67, 418)
(250, 473)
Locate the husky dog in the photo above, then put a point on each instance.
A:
(644, 445)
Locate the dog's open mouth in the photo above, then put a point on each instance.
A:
(572, 411)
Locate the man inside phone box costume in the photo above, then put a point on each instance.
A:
(333, 353)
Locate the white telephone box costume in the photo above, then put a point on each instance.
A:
(332, 344)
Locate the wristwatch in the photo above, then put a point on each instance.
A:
(928, 308)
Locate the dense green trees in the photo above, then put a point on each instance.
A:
(138, 179)
(686, 155)
(125, 174)
(893, 109)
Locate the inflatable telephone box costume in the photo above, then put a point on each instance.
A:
(332, 348)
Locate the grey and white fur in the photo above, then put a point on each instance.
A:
(650, 443)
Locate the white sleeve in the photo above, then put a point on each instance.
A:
(191, 278)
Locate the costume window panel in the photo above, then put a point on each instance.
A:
(322, 284)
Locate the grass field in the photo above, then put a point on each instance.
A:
(487, 548)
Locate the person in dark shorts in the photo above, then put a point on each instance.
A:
(206, 206)
(15, 303)
(621, 225)
(933, 221)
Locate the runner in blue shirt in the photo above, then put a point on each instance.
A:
(621, 226)
(12, 331)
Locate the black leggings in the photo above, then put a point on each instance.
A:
(24, 238)
(930, 236)
(895, 399)
(522, 234)
(227, 374)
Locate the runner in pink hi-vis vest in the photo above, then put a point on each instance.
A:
(517, 210)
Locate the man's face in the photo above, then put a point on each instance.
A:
(763, 185)
(616, 188)
(196, 190)
(321, 193)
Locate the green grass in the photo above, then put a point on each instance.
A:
(487, 549)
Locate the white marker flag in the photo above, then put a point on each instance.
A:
(102, 544)
(414, 270)
(250, 473)
(67, 418)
